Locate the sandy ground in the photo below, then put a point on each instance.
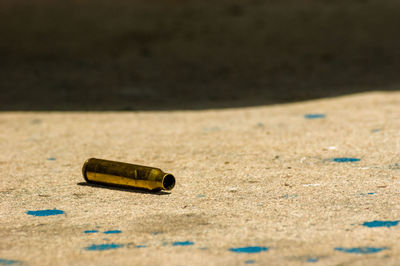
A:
(260, 177)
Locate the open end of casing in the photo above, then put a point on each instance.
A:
(168, 182)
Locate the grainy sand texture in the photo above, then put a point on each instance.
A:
(314, 182)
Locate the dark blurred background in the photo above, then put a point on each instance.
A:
(192, 54)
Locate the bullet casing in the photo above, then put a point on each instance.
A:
(106, 172)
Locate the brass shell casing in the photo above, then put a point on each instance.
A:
(113, 173)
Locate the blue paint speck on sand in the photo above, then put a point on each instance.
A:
(184, 243)
(369, 193)
(51, 159)
(314, 116)
(312, 259)
(201, 196)
(45, 212)
(254, 249)
(345, 160)
(361, 250)
(104, 246)
(90, 231)
(141, 246)
(381, 223)
(8, 262)
(249, 262)
(113, 232)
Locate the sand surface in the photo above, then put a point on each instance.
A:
(261, 177)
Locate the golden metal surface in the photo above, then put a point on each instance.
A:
(106, 172)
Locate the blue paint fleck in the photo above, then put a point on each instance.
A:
(361, 250)
(90, 231)
(287, 196)
(8, 262)
(104, 246)
(45, 212)
(201, 196)
(314, 116)
(381, 223)
(113, 232)
(141, 246)
(369, 193)
(157, 233)
(375, 130)
(184, 243)
(254, 249)
(249, 262)
(345, 160)
(312, 259)
(51, 159)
